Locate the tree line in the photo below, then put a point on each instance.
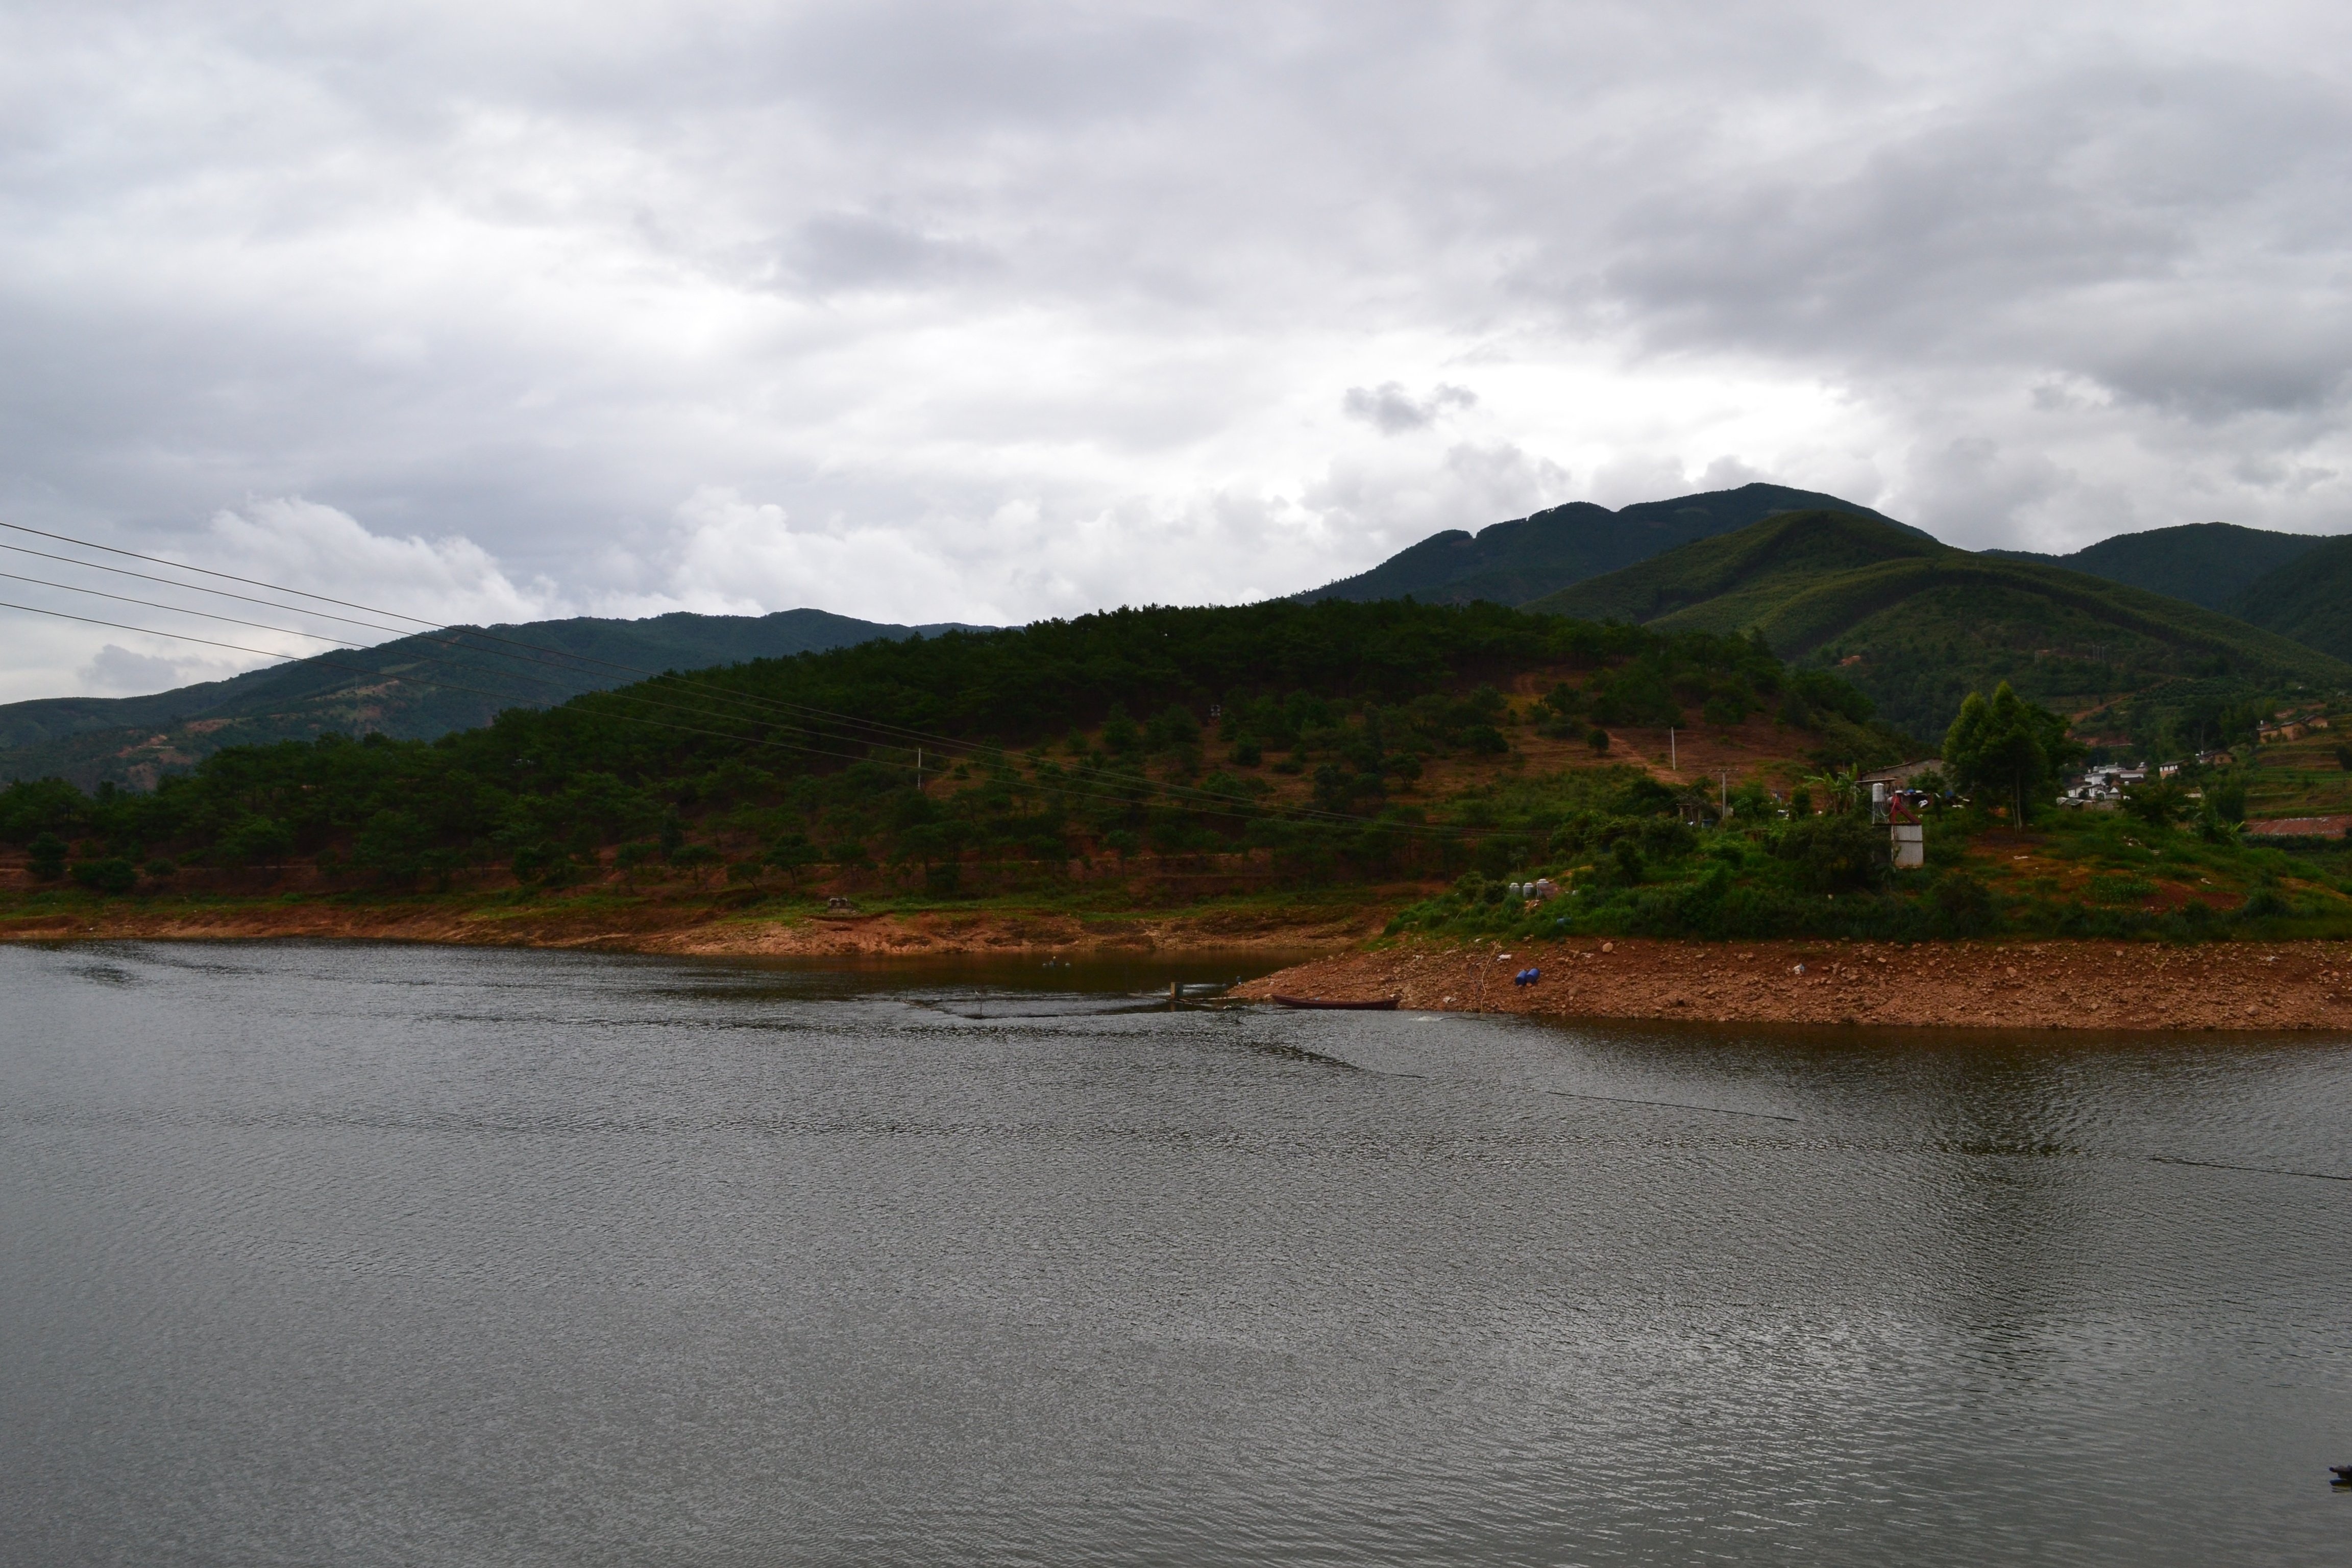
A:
(1159, 729)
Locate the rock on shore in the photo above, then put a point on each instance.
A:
(2008, 985)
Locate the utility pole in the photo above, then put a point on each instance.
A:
(919, 770)
(1673, 763)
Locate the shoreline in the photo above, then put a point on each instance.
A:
(702, 932)
(2008, 985)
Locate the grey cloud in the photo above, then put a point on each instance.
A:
(1392, 411)
(116, 670)
(2081, 223)
(854, 250)
(1974, 492)
(901, 269)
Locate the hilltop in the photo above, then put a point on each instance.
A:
(2309, 599)
(1238, 747)
(2208, 563)
(1917, 625)
(1269, 773)
(1512, 563)
(413, 687)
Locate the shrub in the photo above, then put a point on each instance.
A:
(255, 840)
(112, 875)
(1962, 903)
(1598, 741)
(47, 852)
(793, 851)
(695, 858)
(1119, 733)
(2264, 903)
(392, 842)
(2157, 804)
(2227, 797)
(1837, 854)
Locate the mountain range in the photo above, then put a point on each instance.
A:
(1512, 563)
(1917, 624)
(2153, 634)
(2208, 563)
(416, 687)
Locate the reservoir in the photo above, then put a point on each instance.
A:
(375, 1254)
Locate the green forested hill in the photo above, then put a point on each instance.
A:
(2309, 599)
(1060, 739)
(1511, 563)
(1917, 624)
(2208, 563)
(413, 687)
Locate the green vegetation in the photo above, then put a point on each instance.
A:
(2007, 749)
(2169, 866)
(1917, 626)
(2106, 875)
(415, 687)
(2208, 563)
(1511, 563)
(2309, 600)
(1080, 741)
(1147, 756)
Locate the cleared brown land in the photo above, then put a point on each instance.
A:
(2030, 984)
(649, 926)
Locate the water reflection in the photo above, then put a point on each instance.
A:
(360, 1254)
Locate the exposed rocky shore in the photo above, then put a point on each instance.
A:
(2010, 984)
(2006, 984)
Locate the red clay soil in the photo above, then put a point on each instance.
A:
(2031, 984)
(655, 927)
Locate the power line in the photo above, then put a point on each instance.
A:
(778, 705)
(192, 587)
(208, 572)
(175, 609)
(1208, 802)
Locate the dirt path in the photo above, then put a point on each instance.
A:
(2028, 984)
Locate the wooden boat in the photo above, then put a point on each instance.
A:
(1378, 1005)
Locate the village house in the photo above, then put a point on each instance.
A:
(1902, 774)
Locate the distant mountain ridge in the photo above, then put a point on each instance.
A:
(2309, 598)
(2208, 563)
(415, 687)
(1917, 624)
(1512, 563)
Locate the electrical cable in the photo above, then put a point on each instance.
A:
(1208, 802)
(921, 736)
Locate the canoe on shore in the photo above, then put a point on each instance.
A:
(1378, 1005)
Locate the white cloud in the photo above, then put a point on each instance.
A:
(117, 671)
(320, 550)
(919, 311)
(1392, 411)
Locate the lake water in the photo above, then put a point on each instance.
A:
(359, 1255)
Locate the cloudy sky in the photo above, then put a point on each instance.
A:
(923, 311)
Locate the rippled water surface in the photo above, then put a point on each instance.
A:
(396, 1255)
